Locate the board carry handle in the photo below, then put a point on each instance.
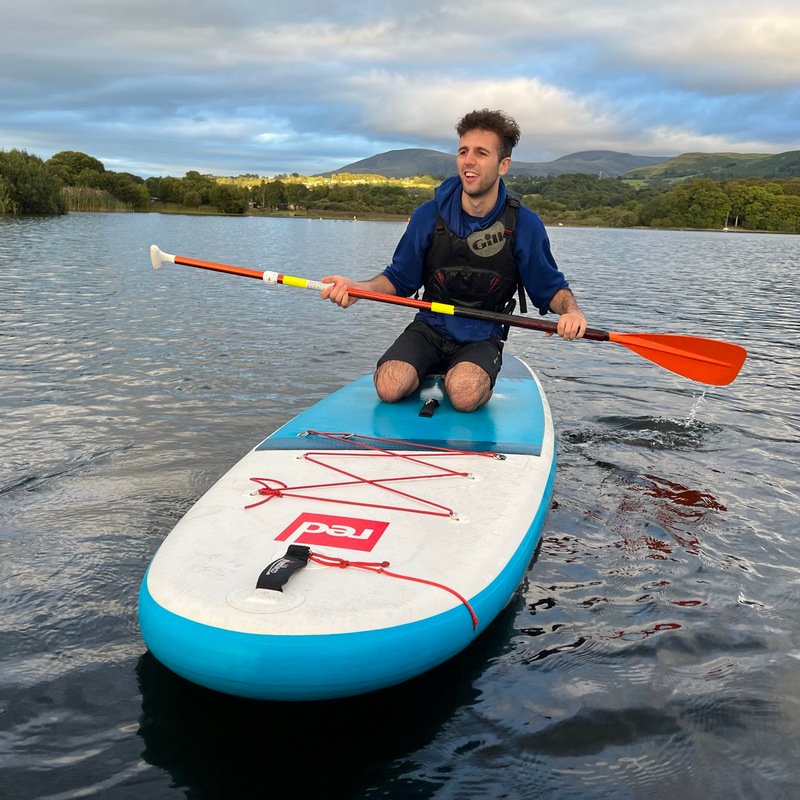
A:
(709, 361)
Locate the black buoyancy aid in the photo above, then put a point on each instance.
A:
(479, 271)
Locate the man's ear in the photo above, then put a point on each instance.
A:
(504, 165)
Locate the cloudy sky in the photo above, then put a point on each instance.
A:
(226, 87)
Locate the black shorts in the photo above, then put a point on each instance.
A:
(429, 352)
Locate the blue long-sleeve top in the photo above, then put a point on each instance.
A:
(538, 270)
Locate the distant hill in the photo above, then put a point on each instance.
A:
(606, 163)
(720, 166)
(411, 162)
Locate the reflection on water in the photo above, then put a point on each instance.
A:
(226, 746)
(652, 649)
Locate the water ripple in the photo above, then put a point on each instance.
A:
(653, 648)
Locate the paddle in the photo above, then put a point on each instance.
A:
(708, 361)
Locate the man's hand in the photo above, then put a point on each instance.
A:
(571, 322)
(571, 325)
(337, 291)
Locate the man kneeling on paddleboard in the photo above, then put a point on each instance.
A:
(475, 246)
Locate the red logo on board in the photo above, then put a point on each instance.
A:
(350, 533)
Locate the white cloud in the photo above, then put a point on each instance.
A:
(231, 86)
(429, 107)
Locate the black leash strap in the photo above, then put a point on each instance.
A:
(429, 407)
(276, 574)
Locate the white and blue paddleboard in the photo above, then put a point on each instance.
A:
(358, 546)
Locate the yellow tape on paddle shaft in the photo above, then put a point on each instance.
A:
(305, 283)
(290, 280)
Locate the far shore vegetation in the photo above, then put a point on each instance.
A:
(74, 181)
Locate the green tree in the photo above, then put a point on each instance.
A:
(69, 165)
(751, 202)
(229, 199)
(707, 205)
(296, 193)
(203, 189)
(546, 208)
(5, 197)
(791, 186)
(171, 190)
(524, 185)
(662, 211)
(783, 214)
(129, 189)
(698, 204)
(27, 186)
(269, 194)
(192, 199)
(193, 181)
(152, 183)
(621, 218)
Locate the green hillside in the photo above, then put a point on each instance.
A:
(411, 162)
(644, 170)
(782, 165)
(718, 166)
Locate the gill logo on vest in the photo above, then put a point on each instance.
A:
(489, 242)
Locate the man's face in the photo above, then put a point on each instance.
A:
(478, 164)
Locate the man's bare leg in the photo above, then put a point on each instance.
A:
(468, 386)
(395, 380)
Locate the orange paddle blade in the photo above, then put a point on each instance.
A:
(705, 360)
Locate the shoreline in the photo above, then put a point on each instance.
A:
(375, 216)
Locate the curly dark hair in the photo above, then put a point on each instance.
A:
(498, 122)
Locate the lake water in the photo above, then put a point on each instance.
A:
(653, 650)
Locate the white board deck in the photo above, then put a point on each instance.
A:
(438, 518)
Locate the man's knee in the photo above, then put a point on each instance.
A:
(469, 401)
(468, 386)
(395, 380)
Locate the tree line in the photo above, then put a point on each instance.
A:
(754, 204)
(67, 181)
(78, 182)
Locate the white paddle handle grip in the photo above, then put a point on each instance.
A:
(158, 256)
